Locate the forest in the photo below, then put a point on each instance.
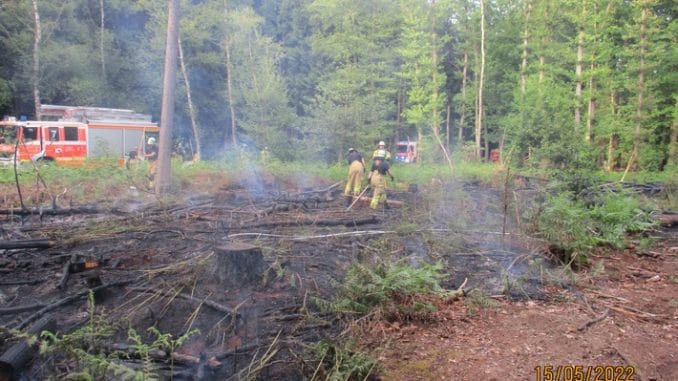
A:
(535, 237)
(580, 84)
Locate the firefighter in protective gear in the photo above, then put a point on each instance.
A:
(377, 177)
(356, 171)
(381, 152)
(151, 154)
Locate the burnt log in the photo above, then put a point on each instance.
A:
(348, 222)
(49, 212)
(238, 263)
(19, 354)
(667, 219)
(28, 244)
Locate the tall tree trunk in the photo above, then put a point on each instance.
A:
(479, 121)
(578, 69)
(612, 142)
(229, 81)
(523, 64)
(462, 115)
(101, 41)
(189, 99)
(37, 36)
(591, 111)
(168, 87)
(641, 88)
(544, 43)
(435, 112)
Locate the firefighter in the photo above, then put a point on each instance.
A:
(356, 171)
(381, 152)
(264, 155)
(152, 157)
(377, 179)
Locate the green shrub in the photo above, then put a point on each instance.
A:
(339, 361)
(385, 287)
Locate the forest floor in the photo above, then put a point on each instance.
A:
(159, 265)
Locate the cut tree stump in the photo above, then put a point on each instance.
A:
(19, 354)
(238, 263)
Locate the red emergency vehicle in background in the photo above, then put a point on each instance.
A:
(75, 134)
(406, 152)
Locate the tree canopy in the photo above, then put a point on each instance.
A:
(587, 83)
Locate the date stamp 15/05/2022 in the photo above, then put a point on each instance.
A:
(585, 373)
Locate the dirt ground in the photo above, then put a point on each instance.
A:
(158, 264)
(625, 313)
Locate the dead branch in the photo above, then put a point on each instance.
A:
(67, 300)
(212, 304)
(594, 321)
(340, 222)
(66, 272)
(358, 233)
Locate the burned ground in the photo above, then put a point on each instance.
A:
(160, 264)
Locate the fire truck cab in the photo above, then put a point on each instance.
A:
(79, 134)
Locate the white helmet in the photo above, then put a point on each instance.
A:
(151, 140)
(381, 143)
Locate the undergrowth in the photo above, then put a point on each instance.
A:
(388, 287)
(573, 226)
(86, 354)
(339, 360)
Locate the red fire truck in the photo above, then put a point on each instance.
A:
(77, 133)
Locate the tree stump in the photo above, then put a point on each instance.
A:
(237, 264)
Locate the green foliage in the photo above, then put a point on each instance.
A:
(340, 361)
(573, 227)
(384, 287)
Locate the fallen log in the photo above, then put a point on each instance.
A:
(21, 353)
(49, 212)
(19, 309)
(391, 203)
(28, 244)
(667, 219)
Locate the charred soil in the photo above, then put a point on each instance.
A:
(243, 266)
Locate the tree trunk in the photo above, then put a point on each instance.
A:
(37, 36)
(673, 143)
(435, 113)
(641, 88)
(462, 115)
(544, 43)
(101, 41)
(229, 81)
(168, 87)
(523, 65)
(479, 121)
(591, 112)
(189, 99)
(578, 69)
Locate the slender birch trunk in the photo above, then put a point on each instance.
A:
(189, 99)
(37, 37)
(479, 121)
